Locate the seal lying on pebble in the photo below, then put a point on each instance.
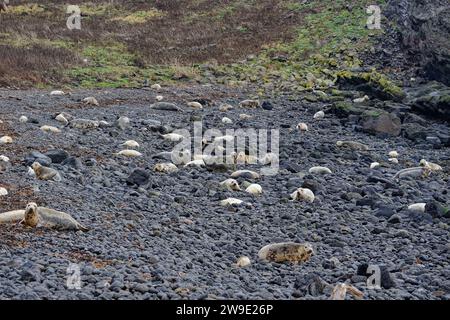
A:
(5, 140)
(254, 189)
(303, 194)
(129, 153)
(231, 185)
(231, 202)
(354, 145)
(195, 105)
(130, 144)
(12, 216)
(84, 124)
(413, 172)
(249, 104)
(302, 126)
(430, 165)
(51, 129)
(45, 173)
(61, 118)
(319, 115)
(165, 106)
(165, 167)
(246, 174)
(286, 252)
(172, 137)
(90, 101)
(417, 207)
(319, 170)
(3, 192)
(44, 217)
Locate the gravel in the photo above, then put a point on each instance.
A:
(165, 236)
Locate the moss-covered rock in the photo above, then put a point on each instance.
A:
(432, 99)
(373, 83)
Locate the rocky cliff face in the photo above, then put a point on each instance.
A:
(422, 29)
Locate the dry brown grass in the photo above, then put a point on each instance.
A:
(37, 64)
(183, 32)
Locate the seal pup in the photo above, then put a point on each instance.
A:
(3, 192)
(51, 129)
(320, 170)
(302, 127)
(430, 165)
(61, 118)
(361, 100)
(412, 172)
(156, 86)
(196, 163)
(130, 144)
(57, 93)
(354, 145)
(393, 154)
(393, 160)
(44, 217)
(45, 173)
(254, 189)
(250, 104)
(6, 140)
(242, 262)
(303, 194)
(165, 106)
(231, 185)
(90, 101)
(231, 202)
(84, 124)
(15, 216)
(129, 153)
(319, 115)
(173, 137)
(246, 174)
(23, 119)
(195, 105)
(374, 165)
(417, 207)
(227, 120)
(286, 252)
(165, 167)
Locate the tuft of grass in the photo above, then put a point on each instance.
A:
(98, 9)
(26, 9)
(139, 17)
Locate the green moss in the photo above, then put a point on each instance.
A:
(377, 83)
(140, 16)
(321, 49)
(373, 113)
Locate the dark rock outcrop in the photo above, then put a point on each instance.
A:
(421, 28)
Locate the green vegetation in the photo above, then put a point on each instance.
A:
(326, 41)
(138, 17)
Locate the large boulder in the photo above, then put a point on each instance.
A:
(381, 123)
(432, 99)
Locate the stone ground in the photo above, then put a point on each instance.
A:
(170, 239)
